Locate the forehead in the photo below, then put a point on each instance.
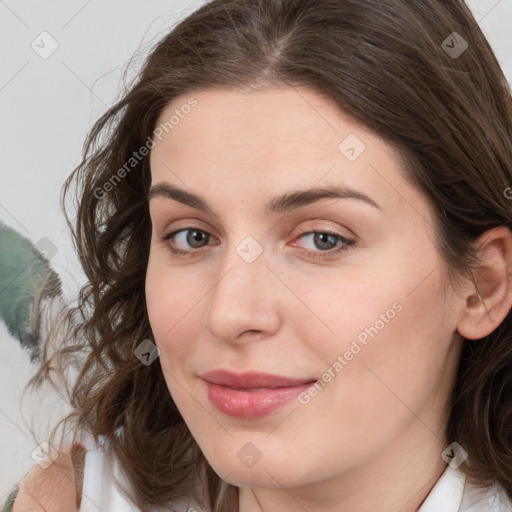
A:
(285, 118)
(265, 140)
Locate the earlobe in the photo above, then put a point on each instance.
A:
(489, 298)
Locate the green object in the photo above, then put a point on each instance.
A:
(9, 504)
(26, 278)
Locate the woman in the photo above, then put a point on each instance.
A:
(296, 230)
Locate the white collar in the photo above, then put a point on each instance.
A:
(453, 493)
(446, 495)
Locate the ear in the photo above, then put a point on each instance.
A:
(489, 298)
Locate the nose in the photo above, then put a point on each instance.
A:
(243, 303)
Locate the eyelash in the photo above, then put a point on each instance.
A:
(347, 243)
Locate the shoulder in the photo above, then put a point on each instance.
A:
(56, 487)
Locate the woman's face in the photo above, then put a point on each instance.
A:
(336, 298)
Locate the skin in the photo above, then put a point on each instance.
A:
(372, 438)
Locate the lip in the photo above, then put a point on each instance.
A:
(251, 395)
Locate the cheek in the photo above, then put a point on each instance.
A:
(174, 303)
(170, 300)
(340, 308)
(377, 323)
(394, 353)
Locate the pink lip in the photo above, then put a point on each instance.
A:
(251, 395)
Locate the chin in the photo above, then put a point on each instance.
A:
(263, 477)
(272, 472)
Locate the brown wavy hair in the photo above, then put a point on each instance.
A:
(387, 64)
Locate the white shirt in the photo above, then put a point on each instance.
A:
(451, 493)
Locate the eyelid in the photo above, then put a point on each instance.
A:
(322, 227)
(188, 223)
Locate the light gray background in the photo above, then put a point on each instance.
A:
(47, 106)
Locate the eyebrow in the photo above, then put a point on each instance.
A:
(279, 204)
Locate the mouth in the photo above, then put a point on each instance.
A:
(251, 395)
